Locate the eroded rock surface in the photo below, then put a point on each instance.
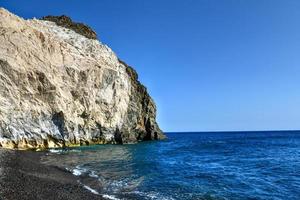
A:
(61, 88)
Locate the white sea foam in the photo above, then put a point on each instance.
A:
(152, 195)
(93, 174)
(59, 151)
(91, 189)
(78, 171)
(88, 188)
(55, 150)
(111, 197)
(74, 150)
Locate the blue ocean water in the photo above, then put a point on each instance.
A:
(222, 165)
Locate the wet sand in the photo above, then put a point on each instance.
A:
(23, 176)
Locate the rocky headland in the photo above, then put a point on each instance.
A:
(60, 86)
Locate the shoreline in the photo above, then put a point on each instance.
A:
(23, 176)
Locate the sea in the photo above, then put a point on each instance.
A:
(188, 166)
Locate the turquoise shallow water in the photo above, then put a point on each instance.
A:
(223, 165)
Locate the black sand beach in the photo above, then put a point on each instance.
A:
(23, 176)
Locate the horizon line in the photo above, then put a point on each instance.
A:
(219, 131)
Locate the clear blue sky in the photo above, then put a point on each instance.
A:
(209, 64)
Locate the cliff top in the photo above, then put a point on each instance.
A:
(67, 22)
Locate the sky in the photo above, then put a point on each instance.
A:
(210, 65)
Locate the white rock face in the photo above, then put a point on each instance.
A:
(59, 88)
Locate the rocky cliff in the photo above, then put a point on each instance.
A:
(60, 86)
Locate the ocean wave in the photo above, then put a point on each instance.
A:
(94, 191)
(55, 150)
(91, 189)
(78, 171)
(111, 197)
(151, 195)
(60, 151)
(93, 174)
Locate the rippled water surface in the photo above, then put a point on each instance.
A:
(239, 165)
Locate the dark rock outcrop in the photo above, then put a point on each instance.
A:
(67, 22)
(141, 112)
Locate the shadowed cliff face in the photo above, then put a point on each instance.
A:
(59, 87)
(141, 111)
